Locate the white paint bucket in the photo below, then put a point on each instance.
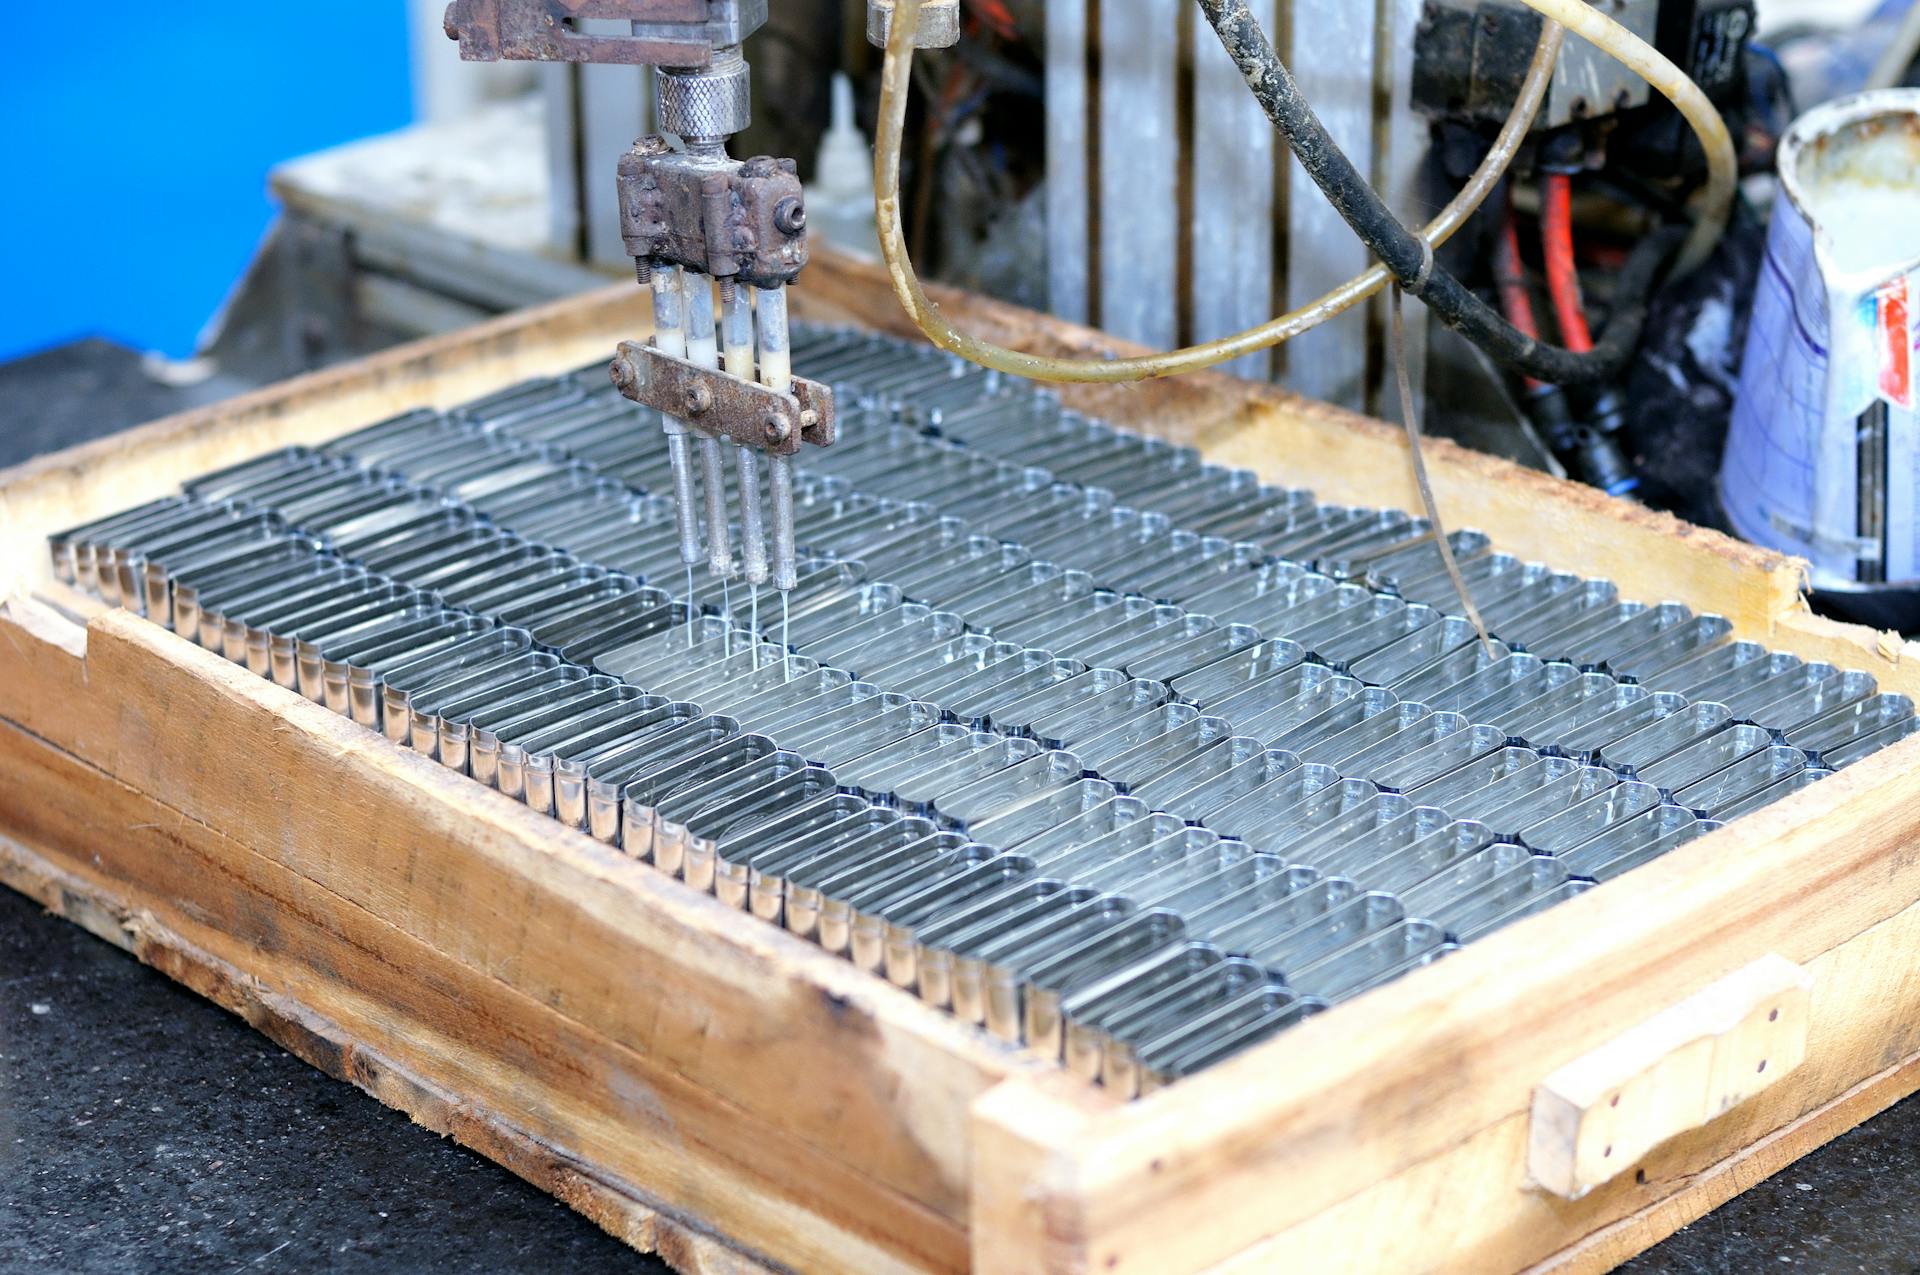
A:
(1821, 457)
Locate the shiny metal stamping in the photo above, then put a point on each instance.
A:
(1564, 784)
(1799, 780)
(1086, 1010)
(1586, 820)
(1628, 845)
(1853, 721)
(1750, 774)
(1410, 850)
(1500, 894)
(1005, 791)
(1705, 756)
(1376, 959)
(1539, 901)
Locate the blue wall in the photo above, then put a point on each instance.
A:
(138, 142)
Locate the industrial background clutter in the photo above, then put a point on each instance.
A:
(159, 87)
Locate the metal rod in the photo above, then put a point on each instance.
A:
(736, 317)
(703, 349)
(776, 372)
(753, 534)
(780, 490)
(670, 337)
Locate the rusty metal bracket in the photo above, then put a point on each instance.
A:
(741, 411)
(671, 32)
(745, 219)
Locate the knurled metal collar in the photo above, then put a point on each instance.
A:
(708, 102)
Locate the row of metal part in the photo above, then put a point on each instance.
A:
(545, 496)
(1158, 563)
(1268, 692)
(486, 699)
(1154, 493)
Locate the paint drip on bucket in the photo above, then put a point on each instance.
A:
(1823, 455)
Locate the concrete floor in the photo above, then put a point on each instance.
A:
(144, 1129)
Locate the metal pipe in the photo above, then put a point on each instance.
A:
(776, 372)
(703, 349)
(670, 337)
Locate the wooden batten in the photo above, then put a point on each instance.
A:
(681, 1072)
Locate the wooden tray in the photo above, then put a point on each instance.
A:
(712, 1088)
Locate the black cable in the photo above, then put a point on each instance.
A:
(1406, 254)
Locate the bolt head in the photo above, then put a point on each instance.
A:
(699, 399)
(790, 216)
(776, 428)
(623, 372)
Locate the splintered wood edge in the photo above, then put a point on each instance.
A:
(616, 1207)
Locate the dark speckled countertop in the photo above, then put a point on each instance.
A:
(144, 1129)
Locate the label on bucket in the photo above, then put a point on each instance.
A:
(1888, 310)
(1821, 456)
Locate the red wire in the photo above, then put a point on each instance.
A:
(1510, 279)
(1563, 276)
(999, 17)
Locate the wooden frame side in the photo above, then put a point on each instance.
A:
(1472, 1209)
(1434, 1066)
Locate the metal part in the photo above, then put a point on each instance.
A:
(695, 211)
(704, 102)
(744, 413)
(937, 27)
(680, 33)
(1021, 836)
(1472, 54)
